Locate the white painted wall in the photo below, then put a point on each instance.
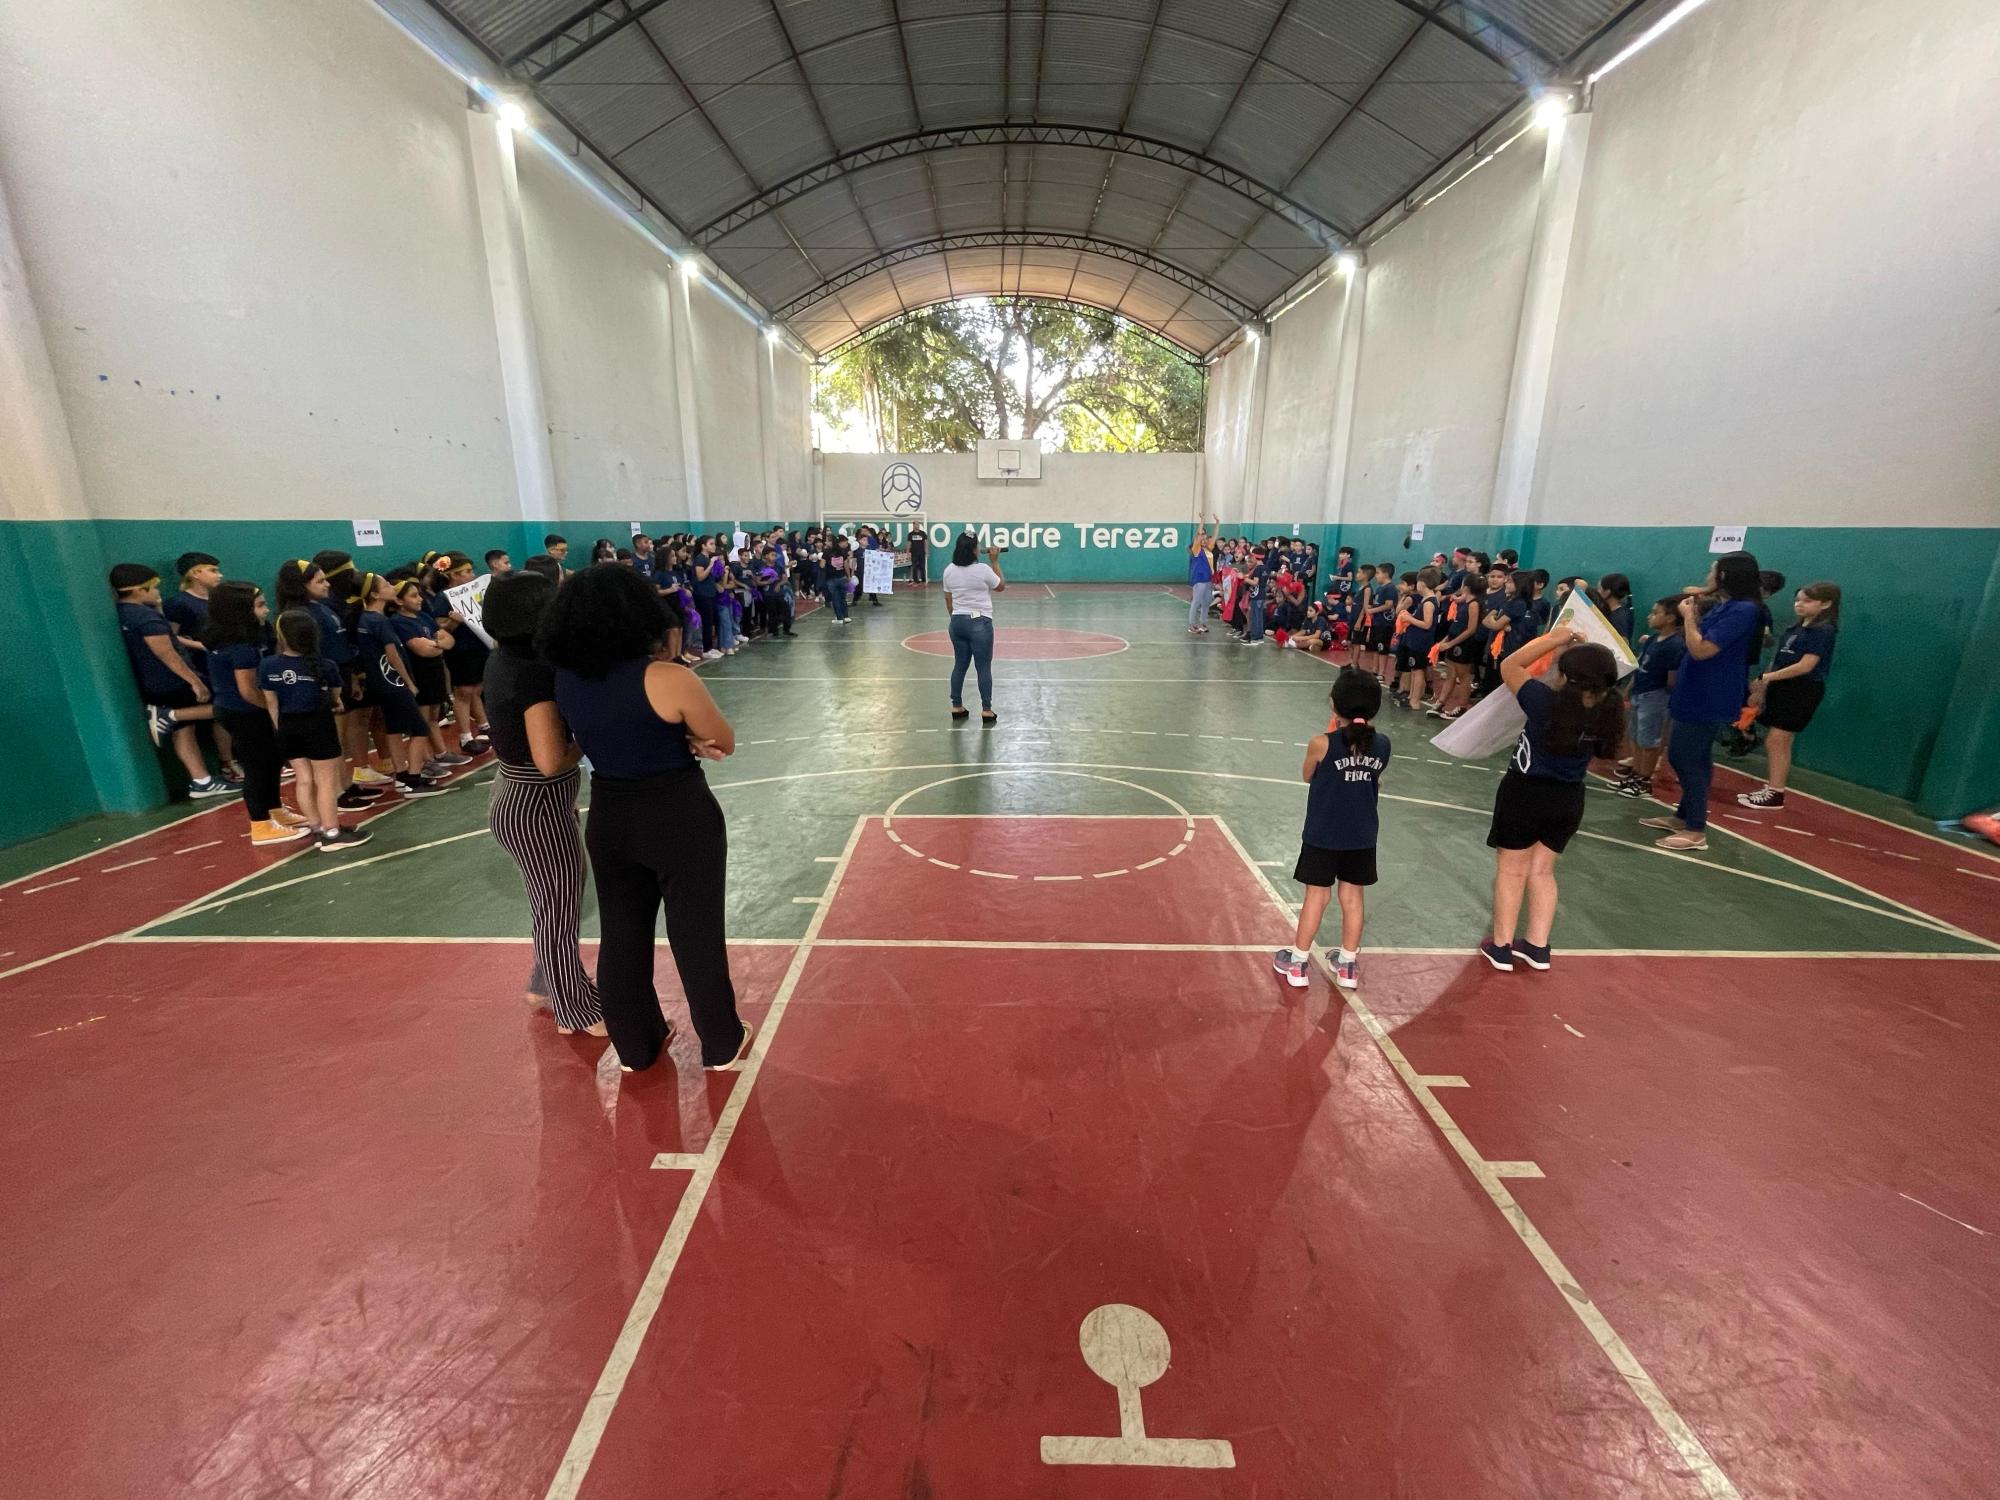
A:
(604, 326)
(1299, 406)
(1101, 488)
(251, 234)
(1226, 435)
(1779, 303)
(1784, 294)
(1437, 349)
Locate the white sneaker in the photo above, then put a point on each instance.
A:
(711, 656)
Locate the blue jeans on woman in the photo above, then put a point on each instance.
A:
(971, 645)
(836, 594)
(1691, 752)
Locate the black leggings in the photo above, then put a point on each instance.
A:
(659, 839)
(710, 610)
(256, 744)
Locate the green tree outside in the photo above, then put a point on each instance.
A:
(939, 379)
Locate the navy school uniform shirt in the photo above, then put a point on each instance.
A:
(136, 622)
(375, 633)
(293, 688)
(1621, 621)
(1802, 641)
(1384, 597)
(1711, 691)
(1341, 799)
(335, 645)
(189, 614)
(1532, 756)
(222, 664)
(1418, 637)
(1658, 655)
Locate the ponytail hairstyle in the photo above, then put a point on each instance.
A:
(1615, 588)
(1357, 698)
(1829, 595)
(340, 575)
(365, 585)
(232, 615)
(298, 632)
(1736, 575)
(292, 580)
(1589, 711)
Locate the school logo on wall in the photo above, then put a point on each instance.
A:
(902, 489)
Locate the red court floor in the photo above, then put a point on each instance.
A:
(341, 1220)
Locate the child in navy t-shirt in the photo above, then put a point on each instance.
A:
(1343, 771)
(1788, 694)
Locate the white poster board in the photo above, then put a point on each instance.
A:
(469, 600)
(1588, 621)
(878, 571)
(637, 527)
(1491, 724)
(1727, 539)
(367, 533)
(1417, 531)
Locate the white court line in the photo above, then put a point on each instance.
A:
(1961, 845)
(212, 843)
(603, 1400)
(185, 908)
(35, 890)
(677, 1161)
(1571, 1030)
(369, 937)
(188, 817)
(1442, 1081)
(1676, 1430)
(1977, 874)
(131, 865)
(1943, 1215)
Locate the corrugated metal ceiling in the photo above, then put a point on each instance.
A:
(794, 138)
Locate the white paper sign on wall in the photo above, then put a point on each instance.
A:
(637, 527)
(1417, 531)
(1727, 538)
(1295, 528)
(367, 533)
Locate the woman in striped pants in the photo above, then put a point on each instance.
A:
(534, 799)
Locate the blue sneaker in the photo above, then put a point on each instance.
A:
(1533, 957)
(161, 724)
(1500, 955)
(211, 786)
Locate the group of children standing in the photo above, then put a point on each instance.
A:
(1427, 641)
(341, 682)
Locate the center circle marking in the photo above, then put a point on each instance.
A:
(889, 826)
(1027, 643)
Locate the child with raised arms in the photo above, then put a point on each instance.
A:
(1343, 772)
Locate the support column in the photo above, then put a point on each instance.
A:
(499, 192)
(47, 516)
(1353, 302)
(681, 326)
(1253, 432)
(1963, 774)
(767, 428)
(1520, 466)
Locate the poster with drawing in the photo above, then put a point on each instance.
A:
(1588, 621)
(878, 571)
(469, 600)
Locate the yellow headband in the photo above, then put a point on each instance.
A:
(346, 567)
(134, 588)
(303, 564)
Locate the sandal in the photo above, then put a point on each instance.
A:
(1670, 823)
(1683, 843)
(959, 715)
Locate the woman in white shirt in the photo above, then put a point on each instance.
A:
(969, 587)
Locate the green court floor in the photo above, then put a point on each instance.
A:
(843, 722)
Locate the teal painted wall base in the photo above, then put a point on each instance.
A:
(1910, 709)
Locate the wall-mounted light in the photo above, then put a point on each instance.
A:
(1347, 265)
(512, 115)
(1552, 109)
(691, 270)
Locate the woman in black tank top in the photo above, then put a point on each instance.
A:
(656, 834)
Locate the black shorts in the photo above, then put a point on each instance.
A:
(429, 679)
(1791, 704)
(1379, 637)
(308, 736)
(1325, 867)
(468, 665)
(1531, 810)
(1463, 654)
(400, 714)
(178, 697)
(354, 690)
(1409, 659)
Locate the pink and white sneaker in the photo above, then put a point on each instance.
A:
(1289, 964)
